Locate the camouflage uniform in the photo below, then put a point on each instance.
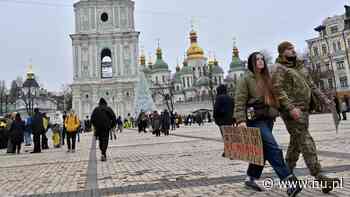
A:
(294, 88)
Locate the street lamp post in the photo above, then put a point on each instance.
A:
(30, 89)
(211, 83)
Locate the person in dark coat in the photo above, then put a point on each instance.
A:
(17, 133)
(223, 108)
(165, 121)
(87, 124)
(37, 129)
(337, 106)
(64, 129)
(103, 119)
(156, 123)
(119, 124)
(142, 122)
(173, 121)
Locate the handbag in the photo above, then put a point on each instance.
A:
(258, 110)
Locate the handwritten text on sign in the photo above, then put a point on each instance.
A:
(243, 144)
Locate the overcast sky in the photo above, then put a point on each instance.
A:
(40, 31)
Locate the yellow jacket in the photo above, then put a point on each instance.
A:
(56, 138)
(72, 123)
(45, 123)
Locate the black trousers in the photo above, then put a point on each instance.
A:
(17, 147)
(344, 115)
(64, 132)
(37, 145)
(44, 141)
(71, 138)
(157, 132)
(103, 144)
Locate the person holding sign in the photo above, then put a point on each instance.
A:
(255, 107)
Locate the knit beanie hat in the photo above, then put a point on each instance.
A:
(283, 46)
(103, 102)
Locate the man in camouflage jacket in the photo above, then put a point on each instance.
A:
(296, 93)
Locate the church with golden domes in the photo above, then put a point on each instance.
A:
(191, 82)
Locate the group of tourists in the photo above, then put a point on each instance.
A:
(288, 91)
(34, 130)
(158, 123)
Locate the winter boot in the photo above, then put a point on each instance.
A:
(327, 184)
(294, 186)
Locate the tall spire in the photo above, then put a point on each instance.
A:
(150, 63)
(194, 52)
(178, 68)
(235, 51)
(159, 50)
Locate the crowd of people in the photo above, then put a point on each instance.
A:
(34, 131)
(286, 90)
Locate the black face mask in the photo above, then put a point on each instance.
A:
(292, 59)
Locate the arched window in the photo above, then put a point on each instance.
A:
(106, 64)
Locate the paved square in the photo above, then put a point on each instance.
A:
(186, 163)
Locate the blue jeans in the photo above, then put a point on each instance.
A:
(272, 153)
(27, 138)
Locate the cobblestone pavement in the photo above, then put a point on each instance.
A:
(186, 163)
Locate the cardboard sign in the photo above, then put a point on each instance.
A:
(243, 144)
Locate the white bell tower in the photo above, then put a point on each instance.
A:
(105, 54)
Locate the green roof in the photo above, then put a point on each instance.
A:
(160, 64)
(217, 70)
(202, 81)
(236, 63)
(186, 69)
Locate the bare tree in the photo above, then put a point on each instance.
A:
(167, 93)
(67, 97)
(2, 95)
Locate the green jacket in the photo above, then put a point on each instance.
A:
(293, 86)
(245, 91)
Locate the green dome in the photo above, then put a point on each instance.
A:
(160, 64)
(236, 63)
(217, 69)
(186, 69)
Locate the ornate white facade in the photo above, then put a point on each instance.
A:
(105, 53)
(330, 54)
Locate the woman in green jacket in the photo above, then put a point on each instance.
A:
(254, 107)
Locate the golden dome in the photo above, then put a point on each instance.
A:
(194, 52)
(211, 62)
(30, 73)
(142, 59)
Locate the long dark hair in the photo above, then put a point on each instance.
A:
(264, 83)
(18, 118)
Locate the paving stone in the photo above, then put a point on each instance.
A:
(186, 163)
